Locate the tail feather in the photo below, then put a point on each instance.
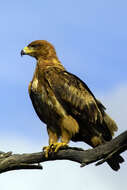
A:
(100, 134)
(115, 161)
(110, 123)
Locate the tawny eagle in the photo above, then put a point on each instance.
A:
(65, 104)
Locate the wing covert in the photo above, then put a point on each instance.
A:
(73, 94)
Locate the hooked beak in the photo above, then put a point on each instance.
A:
(22, 52)
(26, 51)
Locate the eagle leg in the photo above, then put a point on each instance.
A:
(65, 138)
(54, 145)
(53, 138)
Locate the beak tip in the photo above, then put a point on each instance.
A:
(22, 53)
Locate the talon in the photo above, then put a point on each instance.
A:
(53, 148)
(57, 146)
(46, 150)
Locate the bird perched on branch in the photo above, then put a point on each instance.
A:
(65, 104)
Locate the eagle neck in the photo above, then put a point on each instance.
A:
(48, 63)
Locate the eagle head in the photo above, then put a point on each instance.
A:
(39, 48)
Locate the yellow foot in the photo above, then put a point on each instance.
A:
(58, 145)
(53, 148)
(46, 150)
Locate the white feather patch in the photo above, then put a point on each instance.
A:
(35, 84)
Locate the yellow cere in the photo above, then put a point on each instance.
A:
(27, 50)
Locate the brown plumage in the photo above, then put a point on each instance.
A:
(65, 103)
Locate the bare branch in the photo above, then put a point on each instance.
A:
(102, 153)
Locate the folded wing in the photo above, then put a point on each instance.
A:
(74, 95)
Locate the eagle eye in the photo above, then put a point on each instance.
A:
(35, 45)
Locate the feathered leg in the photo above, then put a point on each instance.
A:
(53, 138)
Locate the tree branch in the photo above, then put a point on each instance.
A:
(9, 161)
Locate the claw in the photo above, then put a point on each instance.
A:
(57, 146)
(46, 150)
(53, 148)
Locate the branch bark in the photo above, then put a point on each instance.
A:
(9, 161)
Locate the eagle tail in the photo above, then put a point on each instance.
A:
(110, 123)
(115, 161)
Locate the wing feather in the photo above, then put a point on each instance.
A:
(73, 94)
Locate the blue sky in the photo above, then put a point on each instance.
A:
(90, 38)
